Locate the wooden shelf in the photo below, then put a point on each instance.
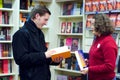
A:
(71, 16)
(5, 41)
(67, 70)
(7, 74)
(2, 58)
(70, 34)
(6, 9)
(6, 25)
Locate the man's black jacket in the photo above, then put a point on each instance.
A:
(29, 53)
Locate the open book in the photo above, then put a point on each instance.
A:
(63, 52)
(80, 58)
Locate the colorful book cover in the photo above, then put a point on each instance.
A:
(118, 4)
(75, 44)
(95, 5)
(88, 6)
(1, 3)
(61, 52)
(103, 6)
(68, 8)
(68, 28)
(69, 42)
(80, 58)
(113, 18)
(5, 66)
(118, 21)
(63, 27)
(0, 17)
(110, 5)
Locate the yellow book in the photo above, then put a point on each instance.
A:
(80, 59)
(1, 4)
(61, 52)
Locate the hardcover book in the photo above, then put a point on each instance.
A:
(61, 52)
(80, 58)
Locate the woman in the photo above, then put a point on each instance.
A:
(103, 52)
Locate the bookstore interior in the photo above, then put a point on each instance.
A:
(68, 31)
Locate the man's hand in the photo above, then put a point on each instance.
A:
(48, 54)
(58, 59)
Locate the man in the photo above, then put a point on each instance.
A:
(29, 49)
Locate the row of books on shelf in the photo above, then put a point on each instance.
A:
(5, 66)
(66, 77)
(71, 27)
(71, 61)
(5, 3)
(5, 50)
(4, 17)
(114, 17)
(5, 33)
(101, 5)
(6, 78)
(72, 8)
(75, 62)
(72, 43)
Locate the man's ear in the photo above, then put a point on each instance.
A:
(37, 15)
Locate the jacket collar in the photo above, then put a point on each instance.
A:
(31, 26)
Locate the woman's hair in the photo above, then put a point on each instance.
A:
(103, 24)
(41, 10)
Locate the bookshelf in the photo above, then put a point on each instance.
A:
(73, 18)
(8, 25)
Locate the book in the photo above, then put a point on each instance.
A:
(80, 58)
(68, 8)
(63, 27)
(61, 52)
(68, 28)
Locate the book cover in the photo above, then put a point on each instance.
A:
(7, 3)
(5, 66)
(61, 52)
(80, 58)
(118, 21)
(110, 5)
(88, 6)
(113, 18)
(103, 6)
(68, 8)
(63, 27)
(75, 42)
(69, 42)
(69, 26)
(1, 3)
(95, 5)
(0, 17)
(62, 42)
(117, 4)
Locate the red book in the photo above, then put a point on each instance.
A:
(5, 66)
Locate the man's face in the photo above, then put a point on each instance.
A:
(42, 20)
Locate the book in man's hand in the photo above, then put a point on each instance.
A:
(80, 59)
(63, 52)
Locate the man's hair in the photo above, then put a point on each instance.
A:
(41, 10)
(103, 24)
